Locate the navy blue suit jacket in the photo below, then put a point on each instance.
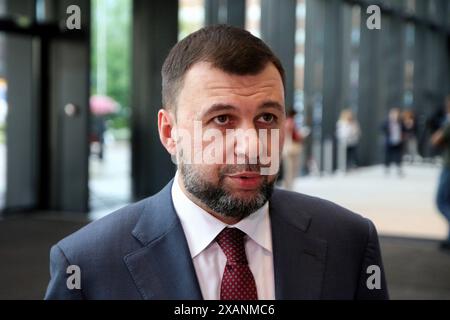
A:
(320, 251)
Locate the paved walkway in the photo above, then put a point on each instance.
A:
(110, 179)
(398, 206)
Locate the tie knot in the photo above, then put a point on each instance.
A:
(231, 241)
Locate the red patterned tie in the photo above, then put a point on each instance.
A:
(237, 282)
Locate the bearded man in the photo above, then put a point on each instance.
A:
(220, 229)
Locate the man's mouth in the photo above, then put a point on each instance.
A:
(246, 180)
(245, 175)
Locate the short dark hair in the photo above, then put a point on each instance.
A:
(230, 49)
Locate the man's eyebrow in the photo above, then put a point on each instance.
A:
(272, 104)
(228, 107)
(216, 108)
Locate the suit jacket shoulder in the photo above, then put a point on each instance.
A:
(99, 248)
(324, 217)
(343, 244)
(104, 234)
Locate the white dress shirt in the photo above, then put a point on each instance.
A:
(395, 132)
(201, 228)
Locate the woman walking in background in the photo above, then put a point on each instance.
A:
(348, 133)
(394, 130)
(410, 128)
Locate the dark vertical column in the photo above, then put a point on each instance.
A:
(327, 74)
(313, 89)
(230, 12)
(155, 30)
(69, 87)
(420, 62)
(431, 72)
(346, 47)
(278, 25)
(446, 19)
(435, 81)
(431, 55)
(335, 85)
(371, 110)
(448, 64)
(389, 90)
(447, 56)
(236, 13)
(215, 12)
(425, 104)
(22, 121)
(393, 65)
(440, 53)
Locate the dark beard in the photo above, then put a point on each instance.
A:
(218, 199)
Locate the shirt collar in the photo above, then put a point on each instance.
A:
(201, 228)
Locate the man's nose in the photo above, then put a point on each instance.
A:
(246, 145)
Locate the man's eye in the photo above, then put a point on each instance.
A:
(221, 120)
(267, 118)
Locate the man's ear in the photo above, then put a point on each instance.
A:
(166, 122)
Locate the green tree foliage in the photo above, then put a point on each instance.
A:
(116, 16)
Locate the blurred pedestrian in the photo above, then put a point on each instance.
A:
(435, 121)
(291, 151)
(100, 106)
(348, 133)
(410, 136)
(393, 130)
(441, 138)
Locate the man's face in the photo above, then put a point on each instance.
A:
(394, 114)
(247, 114)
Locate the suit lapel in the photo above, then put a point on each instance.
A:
(162, 268)
(299, 258)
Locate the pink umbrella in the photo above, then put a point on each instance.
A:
(101, 105)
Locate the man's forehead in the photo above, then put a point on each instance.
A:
(205, 86)
(204, 75)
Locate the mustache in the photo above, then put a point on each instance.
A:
(236, 168)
